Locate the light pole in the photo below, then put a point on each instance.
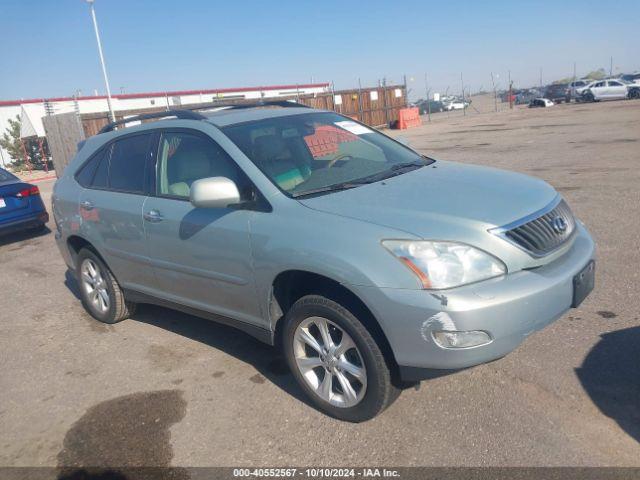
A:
(104, 68)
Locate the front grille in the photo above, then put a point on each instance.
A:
(544, 233)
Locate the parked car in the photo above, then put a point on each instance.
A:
(557, 93)
(574, 89)
(526, 96)
(455, 105)
(21, 207)
(631, 78)
(368, 263)
(612, 89)
(540, 102)
(430, 106)
(580, 90)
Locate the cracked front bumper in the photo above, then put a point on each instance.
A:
(509, 308)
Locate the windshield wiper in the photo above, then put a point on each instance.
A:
(405, 165)
(328, 188)
(397, 169)
(394, 170)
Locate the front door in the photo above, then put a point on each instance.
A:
(201, 256)
(599, 90)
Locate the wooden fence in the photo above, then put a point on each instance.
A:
(376, 107)
(63, 132)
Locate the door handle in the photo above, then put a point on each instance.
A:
(153, 216)
(86, 205)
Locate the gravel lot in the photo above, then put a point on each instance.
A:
(166, 388)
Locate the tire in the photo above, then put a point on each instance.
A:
(40, 229)
(101, 295)
(634, 93)
(364, 359)
(588, 96)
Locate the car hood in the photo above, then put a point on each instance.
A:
(442, 200)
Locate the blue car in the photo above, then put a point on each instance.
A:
(21, 207)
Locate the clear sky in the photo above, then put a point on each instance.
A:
(48, 46)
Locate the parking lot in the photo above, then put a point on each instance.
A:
(165, 388)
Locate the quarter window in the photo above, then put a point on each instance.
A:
(86, 173)
(101, 177)
(184, 158)
(127, 170)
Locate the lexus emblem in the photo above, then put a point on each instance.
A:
(559, 224)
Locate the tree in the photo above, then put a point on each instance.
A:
(10, 140)
(562, 81)
(597, 74)
(12, 143)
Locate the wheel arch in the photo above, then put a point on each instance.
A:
(290, 285)
(75, 243)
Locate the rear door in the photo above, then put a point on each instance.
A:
(201, 256)
(617, 89)
(111, 207)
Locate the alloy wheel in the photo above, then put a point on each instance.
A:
(330, 362)
(94, 285)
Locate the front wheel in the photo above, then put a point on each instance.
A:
(336, 361)
(634, 93)
(588, 97)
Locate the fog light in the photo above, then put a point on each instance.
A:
(472, 338)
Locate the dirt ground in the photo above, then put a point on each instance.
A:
(166, 388)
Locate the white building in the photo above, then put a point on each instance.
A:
(31, 111)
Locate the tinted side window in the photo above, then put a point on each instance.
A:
(85, 175)
(184, 158)
(128, 159)
(101, 177)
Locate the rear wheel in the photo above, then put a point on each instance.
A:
(336, 361)
(101, 295)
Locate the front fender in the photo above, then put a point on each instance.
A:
(345, 250)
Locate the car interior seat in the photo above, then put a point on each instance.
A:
(273, 156)
(186, 167)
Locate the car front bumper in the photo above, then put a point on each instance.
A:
(508, 308)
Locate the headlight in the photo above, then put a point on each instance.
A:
(445, 264)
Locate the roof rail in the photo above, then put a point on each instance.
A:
(256, 104)
(181, 114)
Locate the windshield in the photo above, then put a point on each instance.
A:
(320, 152)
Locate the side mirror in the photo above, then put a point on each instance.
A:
(214, 192)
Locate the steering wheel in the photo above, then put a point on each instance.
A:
(333, 161)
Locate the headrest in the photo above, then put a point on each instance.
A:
(269, 147)
(191, 164)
